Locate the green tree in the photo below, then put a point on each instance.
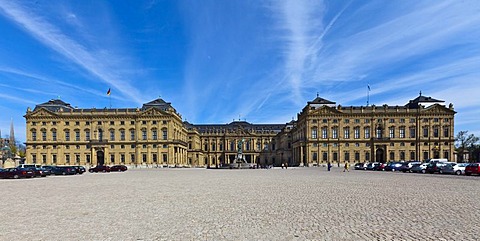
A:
(465, 143)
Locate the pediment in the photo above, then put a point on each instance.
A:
(440, 109)
(153, 112)
(325, 110)
(42, 112)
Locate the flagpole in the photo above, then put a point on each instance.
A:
(110, 99)
(368, 94)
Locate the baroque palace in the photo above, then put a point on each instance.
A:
(155, 135)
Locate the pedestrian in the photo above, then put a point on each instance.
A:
(283, 164)
(329, 166)
(347, 167)
(286, 165)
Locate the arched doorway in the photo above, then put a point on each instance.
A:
(100, 158)
(380, 155)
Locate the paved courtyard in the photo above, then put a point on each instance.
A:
(275, 204)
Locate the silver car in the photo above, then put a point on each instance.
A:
(454, 168)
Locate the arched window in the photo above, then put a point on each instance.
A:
(87, 134)
(154, 134)
(314, 133)
(54, 134)
(164, 134)
(34, 134)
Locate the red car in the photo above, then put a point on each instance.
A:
(118, 168)
(473, 168)
(99, 169)
(17, 173)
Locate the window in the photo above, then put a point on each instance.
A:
(112, 123)
(346, 156)
(324, 132)
(34, 158)
(87, 135)
(314, 133)
(87, 123)
(54, 158)
(392, 156)
(435, 131)
(144, 134)
(367, 156)
(99, 123)
(412, 120)
(77, 158)
(379, 133)
(132, 122)
(402, 132)
(44, 135)
(132, 158)
(367, 120)
(425, 155)
(87, 158)
(122, 123)
(324, 156)
(425, 120)
(425, 131)
(367, 132)
(435, 119)
(144, 157)
(165, 134)
(154, 134)
(357, 156)
(314, 156)
(34, 135)
(54, 135)
(412, 155)
(144, 122)
(346, 133)
(334, 132)
(122, 158)
(446, 131)
(67, 123)
(67, 135)
(132, 134)
(391, 120)
(346, 121)
(335, 156)
(412, 132)
(122, 135)
(77, 135)
(154, 157)
(402, 120)
(324, 121)
(445, 155)
(335, 121)
(402, 156)
(391, 132)
(44, 158)
(154, 122)
(165, 158)
(112, 135)
(356, 132)
(357, 121)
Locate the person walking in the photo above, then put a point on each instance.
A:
(347, 167)
(329, 166)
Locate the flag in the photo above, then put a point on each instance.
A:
(368, 86)
(108, 92)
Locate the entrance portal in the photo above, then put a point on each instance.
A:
(380, 155)
(100, 158)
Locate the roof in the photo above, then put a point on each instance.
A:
(158, 103)
(320, 100)
(54, 105)
(422, 99)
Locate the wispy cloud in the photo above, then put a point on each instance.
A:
(101, 63)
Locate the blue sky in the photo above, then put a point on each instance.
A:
(216, 61)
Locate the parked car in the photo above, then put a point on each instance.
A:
(359, 166)
(37, 172)
(420, 168)
(434, 167)
(79, 169)
(393, 166)
(118, 168)
(380, 167)
(408, 166)
(99, 169)
(17, 173)
(371, 166)
(45, 171)
(64, 170)
(472, 168)
(454, 168)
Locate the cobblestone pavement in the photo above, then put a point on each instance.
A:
(275, 204)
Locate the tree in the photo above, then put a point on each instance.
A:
(465, 144)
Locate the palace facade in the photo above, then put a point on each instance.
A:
(155, 135)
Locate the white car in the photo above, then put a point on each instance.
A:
(454, 168)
